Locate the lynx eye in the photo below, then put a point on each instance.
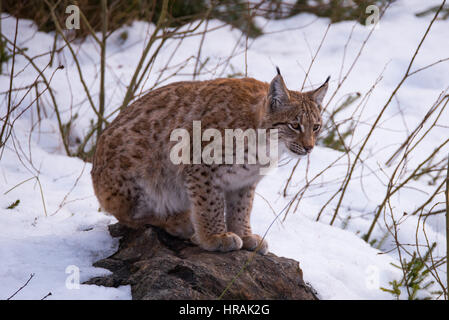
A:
(316, 127)
(295, 126)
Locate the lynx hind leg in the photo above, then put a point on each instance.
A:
(114, 203)
(138, 215)
(208, 214)
(238, 211)
(179, 225)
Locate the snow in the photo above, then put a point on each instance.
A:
(57, 223)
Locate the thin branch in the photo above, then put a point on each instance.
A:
(447, 229)
(406, 75)
(20, 289)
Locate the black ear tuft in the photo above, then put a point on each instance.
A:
(318, 94)
(278, 93)
(278, 71)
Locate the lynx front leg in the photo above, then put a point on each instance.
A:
(207, 203)
(238, 211)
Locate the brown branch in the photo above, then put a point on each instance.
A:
(11, 79)
(406, 75)
(447, 229)
(20, 289)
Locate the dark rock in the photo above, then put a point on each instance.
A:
(159, 266)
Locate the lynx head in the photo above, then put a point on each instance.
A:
(296, 115)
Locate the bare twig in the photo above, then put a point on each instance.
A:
(406, 75)
(21, 288)
(447, 229)
(11, 78)
(46, 296)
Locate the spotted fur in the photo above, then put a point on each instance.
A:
(135, 181)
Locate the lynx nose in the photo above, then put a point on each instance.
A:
(308, 148)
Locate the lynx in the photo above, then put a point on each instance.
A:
(210, 204)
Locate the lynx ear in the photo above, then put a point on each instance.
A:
(318, 94)
(278, 94)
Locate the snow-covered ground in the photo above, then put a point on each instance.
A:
(57, 223)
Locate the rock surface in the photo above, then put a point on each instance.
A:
(159, 266)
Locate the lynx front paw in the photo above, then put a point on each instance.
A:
(219, 242)
(255, 242)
